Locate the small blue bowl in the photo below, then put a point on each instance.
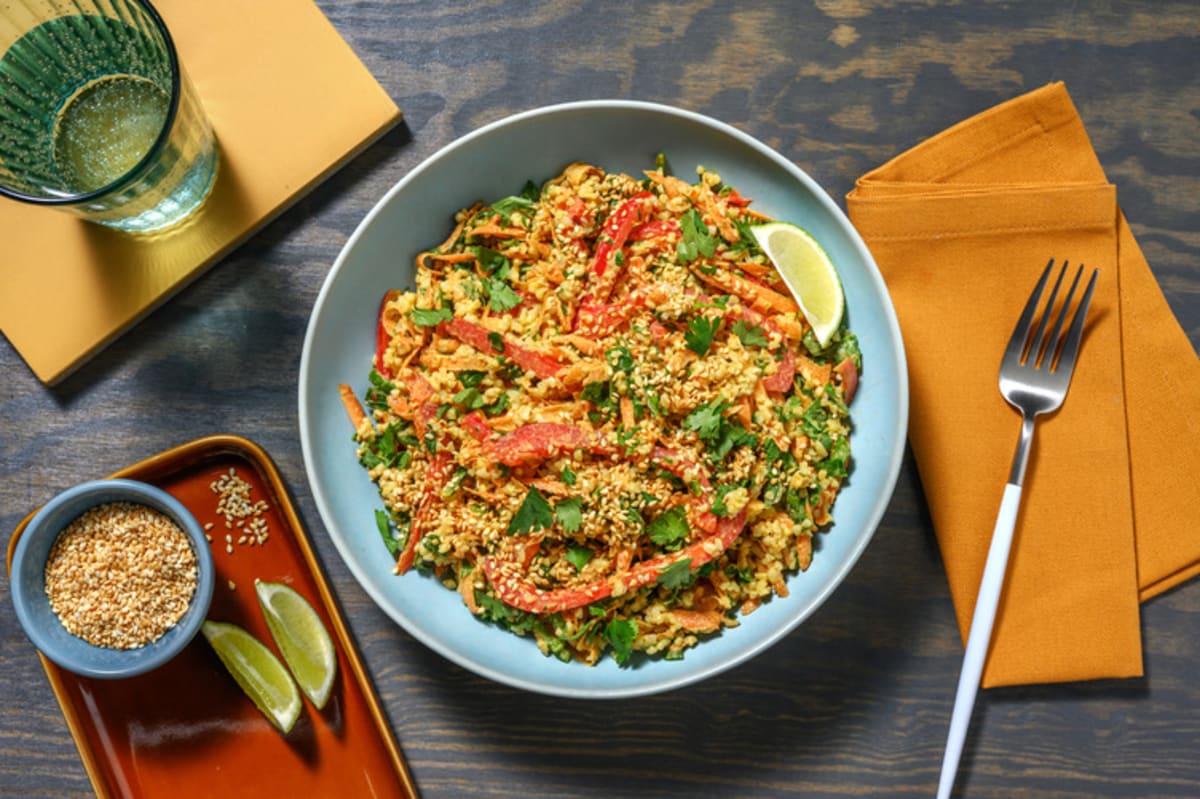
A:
(28, 582)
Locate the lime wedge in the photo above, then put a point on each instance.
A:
(301, 637)
(808, 272)
(257, 671)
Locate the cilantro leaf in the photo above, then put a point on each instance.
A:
(620, 634)
(568, 476)
(579, 556)
(750, 335)
(696, 240)
(534, 514)
(619, 358)
(492, 261)
(428, 317)
(523, 202)
(569, 513)
(718, 504)
(670, 528)
(706, 419)
(469, 398)
(377, 395)
(501, 296)
(837, 464)
(471, 377)
(700, 332)
(677, 575)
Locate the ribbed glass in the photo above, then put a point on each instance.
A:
(96, 115)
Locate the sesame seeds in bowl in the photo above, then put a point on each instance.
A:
(112, 578)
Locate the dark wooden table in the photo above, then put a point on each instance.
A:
(855, 701)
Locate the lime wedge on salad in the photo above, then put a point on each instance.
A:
(808, 272)
(260, 674)
(301, 638)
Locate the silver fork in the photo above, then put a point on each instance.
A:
(1034, 376)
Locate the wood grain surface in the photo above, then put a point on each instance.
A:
(855, 702)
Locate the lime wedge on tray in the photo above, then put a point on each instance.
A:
(808, 272)
(301, 637)
(260, 674)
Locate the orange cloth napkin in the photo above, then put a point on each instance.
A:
(961, 226)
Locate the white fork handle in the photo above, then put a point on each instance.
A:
(980, 635)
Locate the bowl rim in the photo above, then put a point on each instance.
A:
(484, 669)
(29, 596)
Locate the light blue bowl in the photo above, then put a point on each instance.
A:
(29, 583)
(495, 161)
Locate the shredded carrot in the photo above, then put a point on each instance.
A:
(353, 408)
(760, 297)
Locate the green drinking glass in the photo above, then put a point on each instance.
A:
(97, 117)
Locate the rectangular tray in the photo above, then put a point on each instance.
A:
(186, 729)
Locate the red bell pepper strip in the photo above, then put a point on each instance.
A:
(435, 479)
(654, 229)
(425, 413)
(539, 441)
(383, 336)
(689, 471)
(513, 588)
(616, 230)
(601, 319)
(612, 238)
(482, 339)
(477, 426)
(781, 381)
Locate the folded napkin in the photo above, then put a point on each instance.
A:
(961, 226)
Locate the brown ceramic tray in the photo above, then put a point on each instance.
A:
(186, 729)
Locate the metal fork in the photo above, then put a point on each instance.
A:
(1034, 376)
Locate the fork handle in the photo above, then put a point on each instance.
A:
(981, 634)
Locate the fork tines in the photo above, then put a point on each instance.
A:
(1035, 348)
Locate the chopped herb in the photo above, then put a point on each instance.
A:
(568, 476)
(469, 398)
(471, 377)
(569, 513)
(534, 514)
(377, 394)
(391, 538)
(741, 575)
(496, 341)
(837, 464)
(746, 243)
(501, 296)
(456, 480)
(696, 240)
(677, 575)
(619, 358)
(620, 634)
(750, 335)
(670, 528)
(579, 556)
(700, 332)
(492, 261)
(718, 504)
(522, 203)
(429, 317)
(719, 433)
(847, 347)
(498, 407)
(706, 419)
(812, 421)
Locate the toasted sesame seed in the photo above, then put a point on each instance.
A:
(121, 575)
